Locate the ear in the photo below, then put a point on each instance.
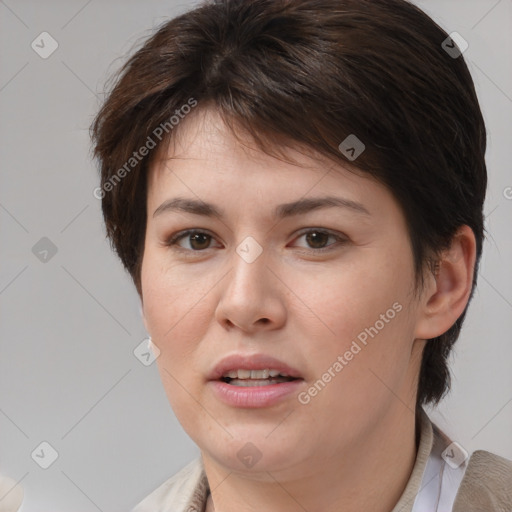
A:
(446, 293)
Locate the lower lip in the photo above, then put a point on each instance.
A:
(254, 396)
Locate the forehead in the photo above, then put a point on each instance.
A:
(207, 149)
(206, 161)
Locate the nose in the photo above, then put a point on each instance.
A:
(252, 298)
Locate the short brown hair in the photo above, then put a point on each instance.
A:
(311, 72)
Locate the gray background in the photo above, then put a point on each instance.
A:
(69, 325)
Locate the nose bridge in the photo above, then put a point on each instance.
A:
(249, 263)
(250, 292)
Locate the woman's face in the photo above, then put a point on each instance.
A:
(324, 294)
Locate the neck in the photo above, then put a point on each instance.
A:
(370, 475)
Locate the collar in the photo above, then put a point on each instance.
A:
(426, 441)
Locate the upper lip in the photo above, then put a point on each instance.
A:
(250, 362)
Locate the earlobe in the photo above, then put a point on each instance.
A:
(449, 287)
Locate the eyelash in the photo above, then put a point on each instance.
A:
(174, 239)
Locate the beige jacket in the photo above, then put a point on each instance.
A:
(482, 483)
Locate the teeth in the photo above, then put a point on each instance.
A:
(254, 374)
(260, 374)
(252, 382)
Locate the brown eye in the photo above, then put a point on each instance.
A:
(317, 239)
(197, 240)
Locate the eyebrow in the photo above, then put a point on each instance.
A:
(300, 207)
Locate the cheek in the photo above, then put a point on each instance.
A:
(170, 294)
(183, 391)
(363, 314)
(175, 318)
(341, 302)
(177, 313)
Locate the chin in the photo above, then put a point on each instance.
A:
(253, 453)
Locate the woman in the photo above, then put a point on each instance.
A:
(296, 188)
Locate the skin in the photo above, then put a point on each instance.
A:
(352, 447)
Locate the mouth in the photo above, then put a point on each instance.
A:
(254, 381)
(253, 369)
(251, 378)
